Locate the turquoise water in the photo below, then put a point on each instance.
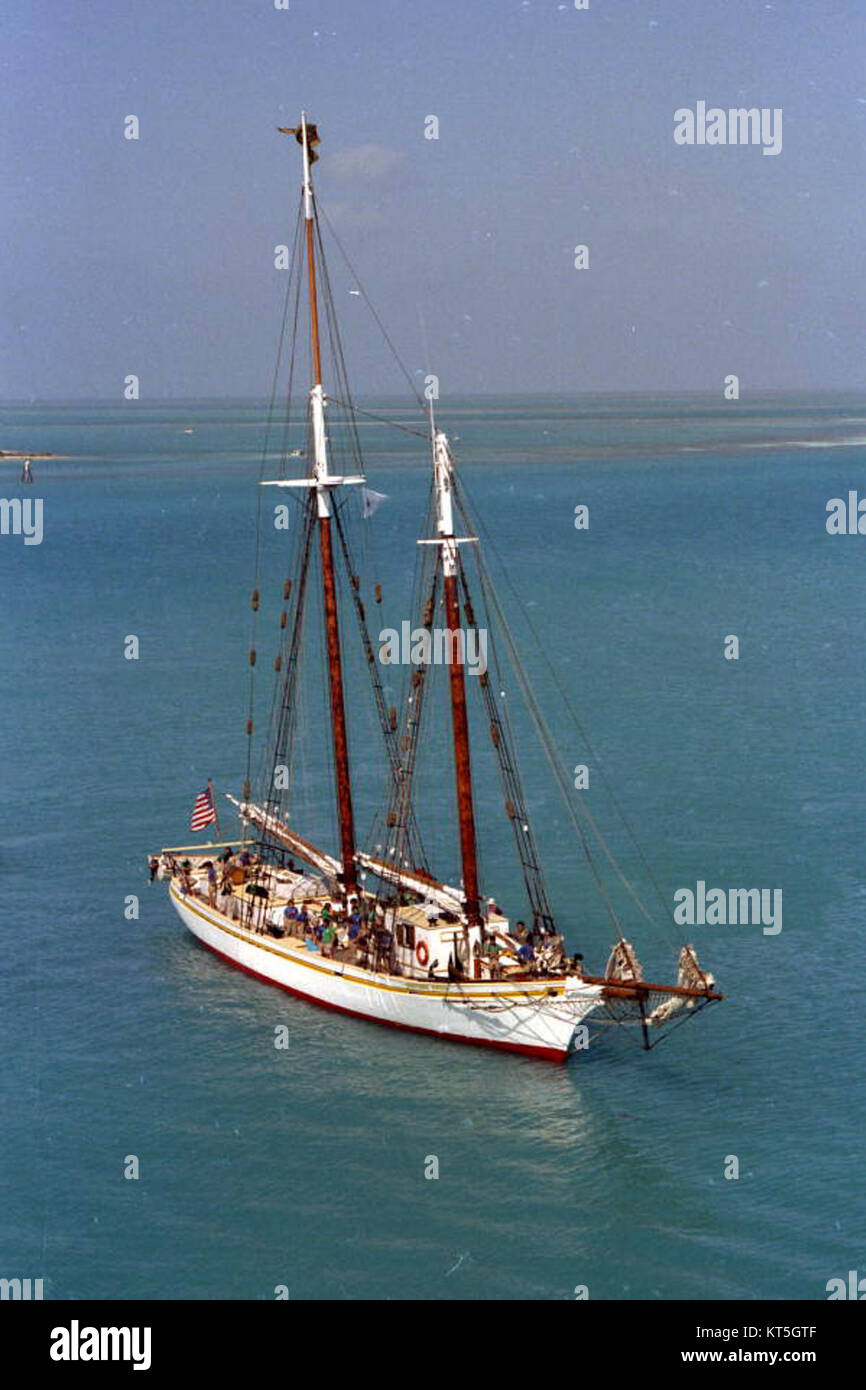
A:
(305, 1167)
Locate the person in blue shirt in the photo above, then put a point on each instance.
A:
(526, 953)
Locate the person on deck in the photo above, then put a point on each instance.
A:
(383, 943)
(211, 884)
(492, 952)
(362, 944)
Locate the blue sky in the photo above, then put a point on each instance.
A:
(555, 128)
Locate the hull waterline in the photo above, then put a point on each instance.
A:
(535, 1018)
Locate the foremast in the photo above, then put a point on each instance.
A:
(443, 473)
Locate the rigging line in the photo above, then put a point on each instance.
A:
(351, 426)
(284, 712)
(515, 799)
(323, 719)
(410, 699)
(258, 524)
(623, 879)
(293, 263)
(367, 301)
(337, 353)
(413, 700)
(547, 742)
(281, 725)
(290, 384)
(391, 743)
(400, 815)
(425, 571)
(685, 1018)
(382, 419)
(543, 732)
(547, 739)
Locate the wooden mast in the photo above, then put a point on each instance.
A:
(332, 628)
(443, 469)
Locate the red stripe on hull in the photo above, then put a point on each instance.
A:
(545, 1054)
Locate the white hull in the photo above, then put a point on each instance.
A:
(536, 1017)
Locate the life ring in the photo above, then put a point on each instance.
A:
(421, 952)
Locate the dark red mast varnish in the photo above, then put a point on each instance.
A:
(309, 135)
(443, 470)
(462, 762)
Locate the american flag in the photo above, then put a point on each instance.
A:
(203, 812)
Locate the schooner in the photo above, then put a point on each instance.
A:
(365, 929)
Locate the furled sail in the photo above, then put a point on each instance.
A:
(325, 863)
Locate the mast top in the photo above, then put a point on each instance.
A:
(307, 136)
(298, 132)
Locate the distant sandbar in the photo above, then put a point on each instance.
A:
(5, 455)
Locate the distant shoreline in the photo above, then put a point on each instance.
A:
(4, 455)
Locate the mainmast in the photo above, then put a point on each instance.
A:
(443, 469)
(323, 482)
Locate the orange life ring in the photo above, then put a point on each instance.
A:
(422, 953)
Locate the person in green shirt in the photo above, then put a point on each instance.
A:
(328, 935)
(492, 951)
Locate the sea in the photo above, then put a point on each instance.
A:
(694, 640)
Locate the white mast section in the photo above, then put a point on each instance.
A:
(442, 467)
(317, 394)
(321, 479)
(443, 476)
(308, 183)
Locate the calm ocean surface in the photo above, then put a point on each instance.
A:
(305, 1167)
